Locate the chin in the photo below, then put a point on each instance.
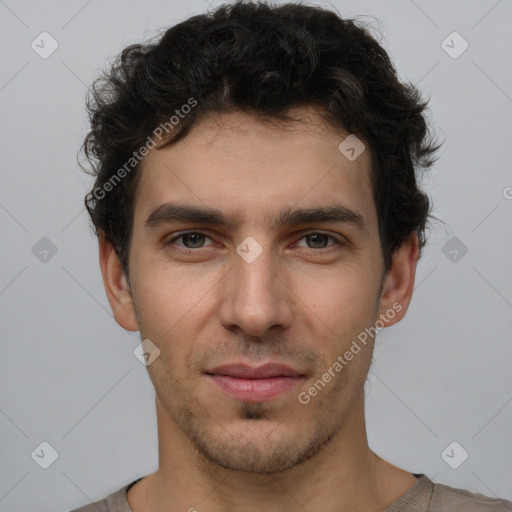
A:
(258, 446)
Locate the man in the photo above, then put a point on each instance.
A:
(259, 221)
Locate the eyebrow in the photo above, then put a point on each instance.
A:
(170, 212)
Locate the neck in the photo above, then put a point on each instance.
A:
(344, 475)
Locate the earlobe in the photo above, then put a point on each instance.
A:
(116, 285)
(398, 283)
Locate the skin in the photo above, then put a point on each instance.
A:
(292, 304)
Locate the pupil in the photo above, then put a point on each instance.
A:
(194, 236)
(316, 237)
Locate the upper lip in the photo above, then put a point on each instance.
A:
(245, 371)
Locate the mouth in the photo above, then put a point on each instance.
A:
(254, 384)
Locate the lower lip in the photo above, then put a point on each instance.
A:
(254, 390)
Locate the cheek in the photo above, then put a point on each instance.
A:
(168, 295)
(343, 300)
(173, 307)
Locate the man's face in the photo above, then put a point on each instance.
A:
(300, 302)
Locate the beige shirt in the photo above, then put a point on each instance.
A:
(424, 496)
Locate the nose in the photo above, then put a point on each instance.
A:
(257, 295)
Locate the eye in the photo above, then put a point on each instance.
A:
(192, 240)
(318, 241)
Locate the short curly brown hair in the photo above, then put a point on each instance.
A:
(263, 59)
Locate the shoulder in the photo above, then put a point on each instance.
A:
(97, 506)
(450, 499)
(115, 502)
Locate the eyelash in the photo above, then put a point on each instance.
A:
(188, 250)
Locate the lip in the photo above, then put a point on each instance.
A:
(265, 371)
(254, 384)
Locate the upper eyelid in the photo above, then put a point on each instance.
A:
(181, 235)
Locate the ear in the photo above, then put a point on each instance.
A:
(116, 286)
(398, 283)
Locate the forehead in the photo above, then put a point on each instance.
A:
(251, 169)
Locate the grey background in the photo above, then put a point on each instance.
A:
(69, 376)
